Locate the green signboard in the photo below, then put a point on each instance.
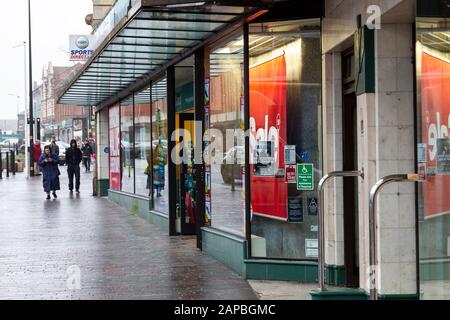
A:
(305, 177)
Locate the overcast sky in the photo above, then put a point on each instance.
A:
(53, 21)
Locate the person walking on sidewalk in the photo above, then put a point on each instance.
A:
(49, 165)
(54, 147)
(87, 154)
(73, 160)
(37, 152)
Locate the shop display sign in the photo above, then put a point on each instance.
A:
(295, 210)
(435, 113)
(312, 248)
(422, 153)
(264, 159)
(422, 171)
(290, 155)
(313, 206)
(291, 175)
(208, 213)
(114, 147)
(443, 156)
(81, 47)
(305, 177)
(268, 134)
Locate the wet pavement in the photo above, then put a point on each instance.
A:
(81, 247)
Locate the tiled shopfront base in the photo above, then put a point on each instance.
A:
(139, 206)
(232, 251)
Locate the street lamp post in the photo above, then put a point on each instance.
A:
(30, 88)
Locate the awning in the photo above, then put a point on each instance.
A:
(152, 38)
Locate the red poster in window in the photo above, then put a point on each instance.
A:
(268, 127)
(114, 147)
(435, 129)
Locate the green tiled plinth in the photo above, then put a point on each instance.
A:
(139, 206)
(340, 294)
(103, 187)
(232, 251)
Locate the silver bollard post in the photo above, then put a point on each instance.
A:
(373, 241)
(322, 184)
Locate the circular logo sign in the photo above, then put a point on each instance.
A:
(82, 42)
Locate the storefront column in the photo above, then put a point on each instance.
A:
(395, 153)
(386, 146)
(171, 147)
(332, 133)
(102, 152)
(199, 95)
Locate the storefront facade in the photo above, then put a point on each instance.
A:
(219, 120)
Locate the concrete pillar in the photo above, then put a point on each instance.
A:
(332, 133)
(102, 156)
(394, 121)
(386, 146)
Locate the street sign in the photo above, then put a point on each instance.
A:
(305, 177)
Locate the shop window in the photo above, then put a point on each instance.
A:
(114, 147)
(142, 134)
(225, 197)
(160, 157)
(433, 155)
(127, 144)
(285, 126)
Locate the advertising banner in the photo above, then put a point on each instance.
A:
(268, 99)
(81, 47)
(435, 133)
(114, 147)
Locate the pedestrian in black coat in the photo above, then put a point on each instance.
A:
(87, 154)
(73, 160)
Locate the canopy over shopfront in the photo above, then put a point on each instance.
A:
(152, 36)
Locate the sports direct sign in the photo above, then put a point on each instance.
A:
(81, 47)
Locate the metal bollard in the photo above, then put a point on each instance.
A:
(13, 163)
(1, 165)
(7, 164)
(322, 219)
(373, 241)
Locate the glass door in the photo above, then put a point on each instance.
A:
(187, 181)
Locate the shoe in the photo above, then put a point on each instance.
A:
(71, 191)
(48, 197)
(78, 191)
(54, 195)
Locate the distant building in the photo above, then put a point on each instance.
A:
(100, 9)
(57, 120)
(8, 126)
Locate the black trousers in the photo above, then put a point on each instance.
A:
(74, 171)
(87, 163)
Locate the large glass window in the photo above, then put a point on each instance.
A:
(160, 161)
(433, 155)
(114, 147)
(127, 144)
(142, 134)
(225, 199)
(285, 125)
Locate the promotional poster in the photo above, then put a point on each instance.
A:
(435, 132)
(114, 147)
(268, 127)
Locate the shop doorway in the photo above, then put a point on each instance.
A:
(350, 162)
(186, 181)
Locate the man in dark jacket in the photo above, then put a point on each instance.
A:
(87, 154)
(73, 160)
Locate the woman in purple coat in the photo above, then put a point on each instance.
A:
(50, 172)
